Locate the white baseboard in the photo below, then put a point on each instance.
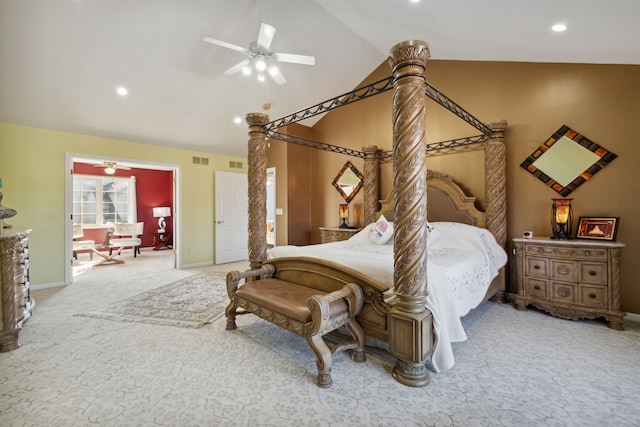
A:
(199, 264)
(634, 317)
(47, 286)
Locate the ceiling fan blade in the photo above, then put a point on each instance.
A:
(266, 36)
(238, 67)
(276, 75)
(296, 59)
(227, 45)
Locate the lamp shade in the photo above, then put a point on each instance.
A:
(561, 217)
(161, 212)
(344, 215)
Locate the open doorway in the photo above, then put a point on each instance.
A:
(102, 192)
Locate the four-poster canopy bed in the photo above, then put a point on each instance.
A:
(401, 320)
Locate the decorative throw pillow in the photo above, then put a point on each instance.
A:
(381, 232)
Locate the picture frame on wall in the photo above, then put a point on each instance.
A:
(597, 228)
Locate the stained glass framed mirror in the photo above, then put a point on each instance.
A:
(567, 160)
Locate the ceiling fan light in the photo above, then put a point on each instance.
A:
(261, 64)
(109, 170)
(272, 69)
(246, 70)
(260, 77)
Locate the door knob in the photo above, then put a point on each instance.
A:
(219, 222)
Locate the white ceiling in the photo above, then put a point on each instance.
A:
(61, 60)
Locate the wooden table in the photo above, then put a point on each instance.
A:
(162, 240)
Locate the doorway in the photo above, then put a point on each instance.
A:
(140, 209)
(271, 207)
(231, 217)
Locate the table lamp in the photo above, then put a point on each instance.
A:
(161, 213)
(561, 216)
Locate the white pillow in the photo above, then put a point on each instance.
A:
(381, 232)
(362, 236)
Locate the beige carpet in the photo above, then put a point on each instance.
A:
(191, 302)
(516, 369)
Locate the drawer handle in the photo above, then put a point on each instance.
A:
(536, 287)
(536, 267)
(592, 295)
(592, 273)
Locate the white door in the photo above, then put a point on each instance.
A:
(232, 217)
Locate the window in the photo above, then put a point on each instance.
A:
(102, 201)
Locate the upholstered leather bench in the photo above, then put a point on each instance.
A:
(305, 311)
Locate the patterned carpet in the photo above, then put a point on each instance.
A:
(516, 369)
(191, 302)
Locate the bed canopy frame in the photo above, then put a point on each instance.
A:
(409, 320)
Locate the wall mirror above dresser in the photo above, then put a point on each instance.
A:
(566, 160)
(348, 182)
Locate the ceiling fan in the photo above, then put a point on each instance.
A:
(110, 167)
(261, 57)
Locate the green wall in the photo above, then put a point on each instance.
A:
(32, 168)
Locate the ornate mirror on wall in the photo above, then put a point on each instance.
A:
(348, 182)
(566, 160)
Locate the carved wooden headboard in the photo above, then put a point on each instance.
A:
(446, 201)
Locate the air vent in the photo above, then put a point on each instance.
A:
(232, 164)
(200, 160)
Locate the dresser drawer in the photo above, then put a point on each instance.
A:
(593, 273)
(538, 267)
(593, 296)
(567, 252)
(328, 235)
(564, 292)
(536, 288)
(566, 271)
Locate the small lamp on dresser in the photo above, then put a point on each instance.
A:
(561, 216)
(344, 215)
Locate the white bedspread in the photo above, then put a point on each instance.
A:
(461, 264)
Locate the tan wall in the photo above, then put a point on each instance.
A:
(293, 187)
(536, 99)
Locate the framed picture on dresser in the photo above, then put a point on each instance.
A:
(598, 228)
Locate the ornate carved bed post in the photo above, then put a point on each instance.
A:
(410, 322)
(495, 182)
(371, 183)
(257, 177)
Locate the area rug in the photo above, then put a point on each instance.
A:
(191, 302)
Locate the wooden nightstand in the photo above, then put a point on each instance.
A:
(572, 279)
(335, 234)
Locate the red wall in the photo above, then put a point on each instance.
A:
(154, 188)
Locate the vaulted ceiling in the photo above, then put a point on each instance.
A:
(61, 61)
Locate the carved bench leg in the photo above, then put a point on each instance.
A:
(359, 337)
(324, 360)
(230, 312)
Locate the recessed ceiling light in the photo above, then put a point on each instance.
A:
(237, 120)
(559, 28)
(415, 1)
(122, 91)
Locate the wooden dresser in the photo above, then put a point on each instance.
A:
(17, 304)
(572, 279)
(336, 234)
